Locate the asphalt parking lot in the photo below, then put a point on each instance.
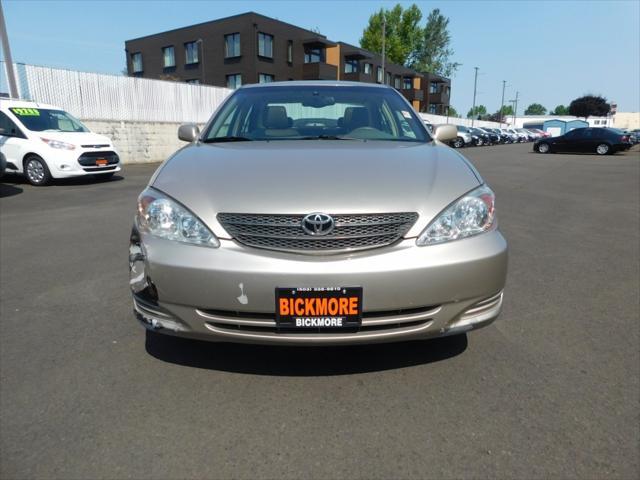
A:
(550, 390)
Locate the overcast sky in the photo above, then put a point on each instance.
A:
(549, 51)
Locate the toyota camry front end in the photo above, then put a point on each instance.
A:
(316, 213)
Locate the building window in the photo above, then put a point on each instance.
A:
(136, 62)
(433, 87)
(168, 57)
(290, 51)
(266, 78)
(232, 45)
(193, 81)
(234, 81)
(379, 75)
(191, 52)
(397, 81)
(407, 83)
(432, 109)
(265, 45)
(313, 55)
(367, 68)
(350, 66)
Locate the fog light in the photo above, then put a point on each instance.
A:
(64, 166)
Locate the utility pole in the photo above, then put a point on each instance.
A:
(504, 84)
(384, 36)
(475, 87)
(515, 109)
(8, 61)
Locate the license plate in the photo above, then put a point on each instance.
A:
(101, 162)
(319, 308)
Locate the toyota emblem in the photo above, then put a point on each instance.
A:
(318, 224)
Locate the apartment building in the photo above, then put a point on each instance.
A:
(253, 48)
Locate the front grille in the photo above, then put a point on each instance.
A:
(285, 233)
(100, 169)
(88, 159)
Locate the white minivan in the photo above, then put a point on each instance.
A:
(45, 142)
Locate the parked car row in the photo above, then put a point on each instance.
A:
(479, 136)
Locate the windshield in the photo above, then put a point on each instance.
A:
(45, 120)
(316, 112)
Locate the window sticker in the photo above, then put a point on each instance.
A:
(406, 114)
(26, 112)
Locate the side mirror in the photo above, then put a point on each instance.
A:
(188, 132)
(445, 132)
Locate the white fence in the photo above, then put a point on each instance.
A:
(436, 119)
(94, 96)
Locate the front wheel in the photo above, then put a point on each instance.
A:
(37, 171)
(458, 142)
(603, 149)
(543, 148)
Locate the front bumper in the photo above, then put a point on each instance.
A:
(72, 163)
(227, 293)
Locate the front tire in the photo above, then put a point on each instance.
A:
(458, 142)
(603, 149)
(36, 171)
(544, 148)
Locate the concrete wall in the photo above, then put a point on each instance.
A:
(140, 142)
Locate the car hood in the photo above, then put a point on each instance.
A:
(301, 177)
(76, 138)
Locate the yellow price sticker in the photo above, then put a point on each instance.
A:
(26, 112)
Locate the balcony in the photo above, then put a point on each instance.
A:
(319, 71)
(413, 94)
(439, 97)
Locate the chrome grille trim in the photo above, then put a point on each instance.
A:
(285, 233)
(368, 318)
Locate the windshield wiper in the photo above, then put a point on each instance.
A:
(227, 139)
(327, 137)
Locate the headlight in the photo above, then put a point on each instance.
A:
(58, 144)
(165, 218)
(470, 215)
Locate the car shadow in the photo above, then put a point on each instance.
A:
(18, 179)
(301, 361)
(9, 190)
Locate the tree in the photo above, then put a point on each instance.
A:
(535, 109)
(560, 110)
(589, 105)
(426, 50)
(402, 33)
(506, 110)
(453, 112)
(434, 51)
(478, 110)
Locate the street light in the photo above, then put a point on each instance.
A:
(475, 86)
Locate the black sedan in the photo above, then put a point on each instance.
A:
(602, 141)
